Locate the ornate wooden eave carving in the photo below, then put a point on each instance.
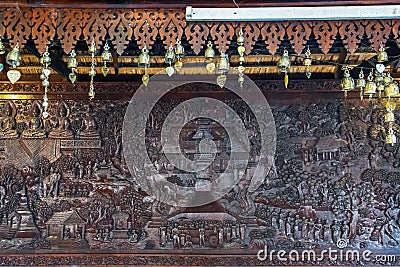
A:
(142, 26)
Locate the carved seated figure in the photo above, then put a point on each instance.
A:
(8, 122)
(88, 127)
(35, 123)
(62, 127)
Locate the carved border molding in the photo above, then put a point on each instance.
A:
(159, 259)
(130, 88)
(141, 26)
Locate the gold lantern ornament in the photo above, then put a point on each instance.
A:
(284, 66)
(209, 56)
(105, 58)
(222, 68)
(179, 53)
(370, 86)
(347, 83)
(361, 83)
(169, 59)
(13, 59)
(144, 63)
(73, 65)
(307, 62)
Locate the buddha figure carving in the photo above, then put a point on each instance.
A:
(88, 127)
(62, 124)
(35, 123)
(8, 122)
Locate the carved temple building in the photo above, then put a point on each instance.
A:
(162, 133)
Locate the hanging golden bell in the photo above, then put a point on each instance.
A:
(360, 82)
(210, 53)
(106, 55)
(223, 63)
(391, 90)
(72, 62)
(380, 87)
(92, 48)
(391, 138)
(240, 39)
(389, 116)
(170, 55)
(144, 58)
(378, 77)
(284, 62)
(13, 58)
(382, 55)
(370, 86)
(2, 48)
(307, 60)
(45, 60)
(347, 82)
(179, 49)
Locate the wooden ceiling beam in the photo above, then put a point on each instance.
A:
(129, 4)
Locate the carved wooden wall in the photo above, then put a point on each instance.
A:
(65, 186)
(139, 27)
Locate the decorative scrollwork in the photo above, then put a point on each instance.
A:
(273, 34)
(325, 34)
(42, 25)
(298, 33)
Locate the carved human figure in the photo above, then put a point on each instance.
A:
(89, 125)
(335, 231)
(202, 237)
(8, 122)
(35, 123)
(62, 126)
(175, 237)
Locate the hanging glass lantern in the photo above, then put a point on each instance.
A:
(347, 82)
(370, 86)
(105, 58)
(73, 65)
(284, 66)
(382, 55)
(307, 62)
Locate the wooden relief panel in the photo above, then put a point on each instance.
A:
(65, 186)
